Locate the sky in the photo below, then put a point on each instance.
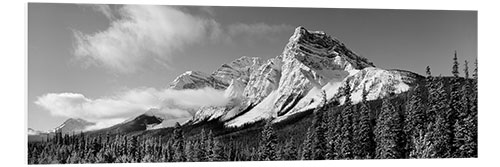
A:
(106, 63)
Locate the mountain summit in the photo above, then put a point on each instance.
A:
(312, 62)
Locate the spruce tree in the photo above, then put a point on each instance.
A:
(442, 136)
(319, 140)
(428, 71)
(347, 145)
(472, 119)
(201, 146)
(364, 134)
(415, 119)
(455, 106)
(388, 132)
(463, 141)
(217, 153)
(466, 70)
(331, 136)
(337, 138)
(422, 146)
(268, 142)
(289, 151)
(454, 70)
(307, 145)
(179, 144)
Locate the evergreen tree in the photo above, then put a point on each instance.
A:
(337, 138)
(454, 107)
(364, 133)
(133, 151)
(472, 118)
(466, 69)
(428, 71)
(454, 70)
(217, 153)
(422, 146)
(330, 152)
(289, 151)
(415, 120)
(388, 132)
(442, 136)
(319, 140)
(179, 144)
(307, 145)
(464, 127)
(268, 142)
(347, 145)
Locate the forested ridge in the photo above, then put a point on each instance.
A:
(436, 119)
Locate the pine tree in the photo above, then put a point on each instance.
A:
(428, 71)
(268, 142)
(466, 69)
(464, 125)
(472, 118)
(179, 144)
(347, 145)
(337, 138)
(289, 151)
(442, 136)
(415, 120)
(454, 70)
(330, 152)
(422, 146)
(455, 106)
(319, 140)
(133, 151)
(364, 134)
(217, 153)
(388, 132)
(201, 146)
(307, 145)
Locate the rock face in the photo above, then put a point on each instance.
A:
(292, 82)
(238, 69)
(196, 80)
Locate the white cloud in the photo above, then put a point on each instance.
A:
(108, 111)
(141, 35)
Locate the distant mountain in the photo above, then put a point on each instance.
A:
(32, 131)
(142, 122)
(73, 125)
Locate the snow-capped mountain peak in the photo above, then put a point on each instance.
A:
(292, 82)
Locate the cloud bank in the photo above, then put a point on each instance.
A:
(108, 111)
(139, 35)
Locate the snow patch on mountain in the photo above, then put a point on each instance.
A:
(259, 112)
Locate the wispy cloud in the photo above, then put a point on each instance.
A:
(107, 111)
(141, 35)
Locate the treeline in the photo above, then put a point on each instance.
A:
(436, 119)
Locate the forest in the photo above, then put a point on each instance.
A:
(435, 119)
